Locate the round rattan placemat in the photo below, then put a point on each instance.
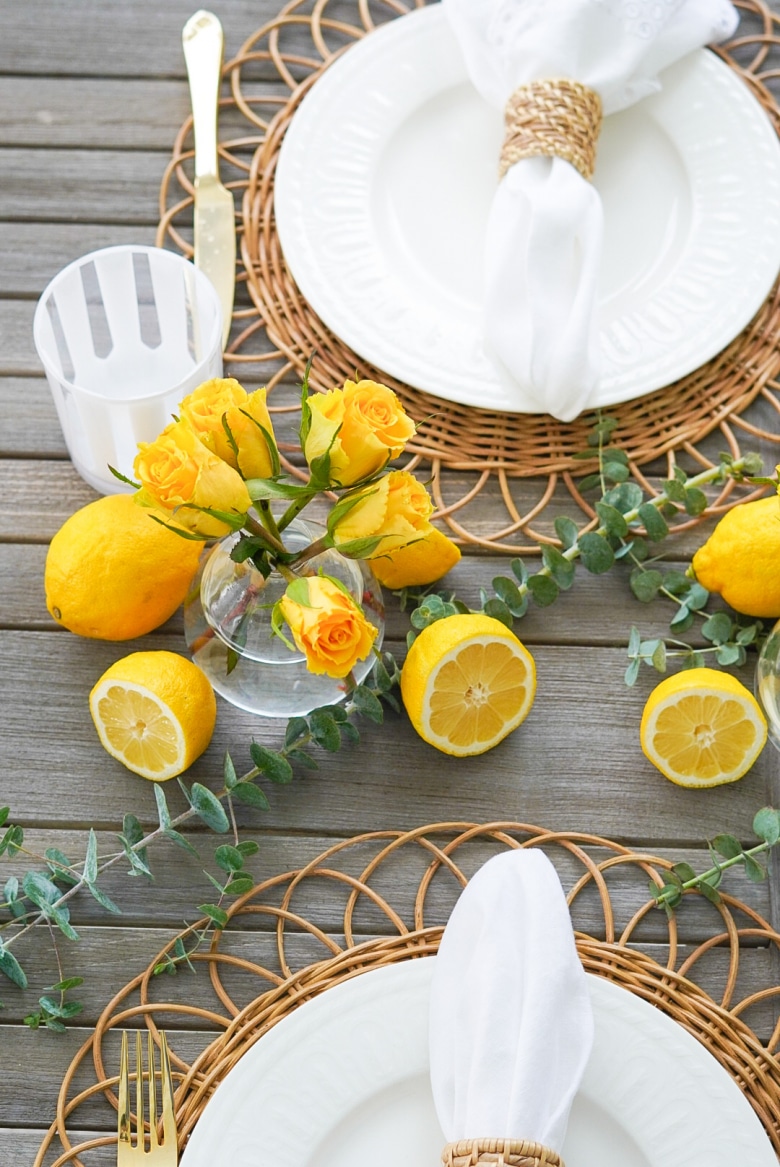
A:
(383, 897)
(469, 451)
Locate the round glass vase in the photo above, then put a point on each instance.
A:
(227, 625)
(767, 683)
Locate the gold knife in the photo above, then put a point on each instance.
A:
(215, 221)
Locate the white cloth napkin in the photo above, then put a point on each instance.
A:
(545, 228)
(511, 1024)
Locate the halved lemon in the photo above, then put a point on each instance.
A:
(154, 712)
(702, 728)
(467, 683)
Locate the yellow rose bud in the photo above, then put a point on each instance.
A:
(395, 510)
(178, 471)
(246, 415)
(363, 425)
(330, 629)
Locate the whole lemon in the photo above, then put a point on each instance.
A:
(741, 559)
(113, 573)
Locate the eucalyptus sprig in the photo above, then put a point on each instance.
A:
(726, 851)
(40, 900)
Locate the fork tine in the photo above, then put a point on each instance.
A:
(166, 1093)
(139, 1090)
(153, 1144)
(123, 1113)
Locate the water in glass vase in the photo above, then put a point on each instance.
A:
(227, 625)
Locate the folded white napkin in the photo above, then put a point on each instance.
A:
(511, 1025)
(545, 229)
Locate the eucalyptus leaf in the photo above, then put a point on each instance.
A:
(566, 530)
(632, 672)
(612, 519)
(756, 872)
(498, 610)
(275, 767)
(727, 845)
(367, 704)
(596, 554)
(324, 730)
(174, 837)
(544, 590)
(560, 568)
(229, 858)
(208, 808)
(252, 795)
(216, 914)
(645, 583)
(91, 858)
(10, 966)
(766, 825)
(653, 521)
(717, 629)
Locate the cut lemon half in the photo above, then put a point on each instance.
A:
(467, 683)
(154, 712)
(702, 728)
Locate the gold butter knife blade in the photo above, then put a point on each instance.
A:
(215, 220)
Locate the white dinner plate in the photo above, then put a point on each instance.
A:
(386, 175)
(343, 1081)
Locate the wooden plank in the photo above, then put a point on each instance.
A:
(30, 425)
(104, 186)
(575, 762)
(31, 254)
(20, 1047)
(92, 113)
(578, 617)
(121, 954)
(30, 506)
(92, 42)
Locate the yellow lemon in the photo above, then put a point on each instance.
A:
(739, 560)
(702, 728)
(421, 562)
(154, 712)
(113, 573)
(467, 683)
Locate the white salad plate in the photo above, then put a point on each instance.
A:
(386, 175)
(344, 1081)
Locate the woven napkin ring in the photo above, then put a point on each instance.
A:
(499, 1153)
(559, 118)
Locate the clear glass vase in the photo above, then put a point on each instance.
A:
(767, 683)
(227, 625)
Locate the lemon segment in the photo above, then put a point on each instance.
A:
(154, 712)
(467, 683)
(702, 728)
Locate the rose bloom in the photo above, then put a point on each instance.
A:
(364, 425)
(396, 509)
(177, 470)
(204, 409)
(331, 631)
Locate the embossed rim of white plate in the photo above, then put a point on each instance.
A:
(333, 253)
(309, 1072)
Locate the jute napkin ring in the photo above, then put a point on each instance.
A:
(499, 1153)
(559, 118)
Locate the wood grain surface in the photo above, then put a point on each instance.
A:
(91, 97)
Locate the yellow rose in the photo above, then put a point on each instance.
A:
(178, 471)
(395, 510)
(363, 425)
(330, 629)
(224, 397)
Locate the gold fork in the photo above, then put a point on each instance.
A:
(159, 1154)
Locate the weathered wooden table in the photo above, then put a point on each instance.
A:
(91, 95)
